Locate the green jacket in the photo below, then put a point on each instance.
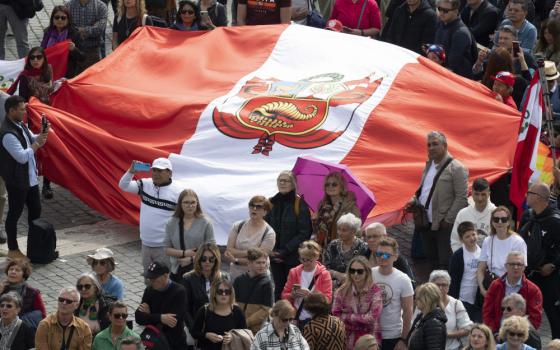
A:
(103, 339)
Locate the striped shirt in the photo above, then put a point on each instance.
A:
(267, 339)
(92, 17)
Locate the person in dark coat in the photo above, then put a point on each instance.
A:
(412, 24)
(24, 338)
(481, 17)
(291, 221)
(455, 37)
(428, 331)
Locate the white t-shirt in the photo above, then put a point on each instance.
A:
(395, 286)
(457, 318)
(426, 187)
(501, 249)
(469, 283)
(306, 278)
(481, 221)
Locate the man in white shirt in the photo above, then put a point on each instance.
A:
(479, 213)
(159, 197)
(398, 296)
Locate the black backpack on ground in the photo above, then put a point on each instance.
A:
(41, 242)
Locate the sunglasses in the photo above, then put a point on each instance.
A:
(6, 306)
(60, 18)
(256, 206)
(502, 219)
(83, 286)
(184, 12)
(99, 262)
(223, 291)
(211, 259)
(507, 308)
(331, 184)
(291, 319)
(65, 301)
(356, 271)
(119, 316)
(35, 57)
(515, 334)
(383, 255)
(444, 11)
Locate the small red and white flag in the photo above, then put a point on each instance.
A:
(526, 153)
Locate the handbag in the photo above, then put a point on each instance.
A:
(314, 17)
(489, 276)
(181, 270)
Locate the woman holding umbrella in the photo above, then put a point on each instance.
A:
(336, 202)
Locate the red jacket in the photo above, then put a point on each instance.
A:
(492, 309)
(323, 282)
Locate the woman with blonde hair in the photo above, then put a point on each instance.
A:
(185, 231)
(309, 276)
(359, 302)
(514, 332)
(366, 342)
(130, 15)
(336, 202)
(215, 320)
(428, 331)
(480, 338)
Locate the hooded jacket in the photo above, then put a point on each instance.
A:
(323, 282)
(412, 30)
(428, 332)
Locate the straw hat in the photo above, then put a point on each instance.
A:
(550, 70)
(102, 254)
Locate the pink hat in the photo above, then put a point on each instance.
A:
(334, 24)
(505, 77)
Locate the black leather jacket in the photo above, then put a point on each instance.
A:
(428, 332)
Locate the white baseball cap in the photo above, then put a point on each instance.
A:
(162, 163)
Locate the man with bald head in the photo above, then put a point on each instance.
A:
(540, 228)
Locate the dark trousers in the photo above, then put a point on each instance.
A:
(17, 198)
(437, 247)
(550, 286)
(389, 344)
(280, 275)
(474, 311)
(91, 58)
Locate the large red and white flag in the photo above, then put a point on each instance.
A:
(526, 153)
(233, 107)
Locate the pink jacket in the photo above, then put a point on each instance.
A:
(360, 315)
(323, 282)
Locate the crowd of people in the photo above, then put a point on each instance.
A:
(297, 279)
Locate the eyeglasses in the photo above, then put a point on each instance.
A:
(516, 265)
(65, 301)
(442, 285)
(35, 57)
(356, 271)
(502, 219)
(6, 306)
(223, 291)
(60, 18)
(99, 262)
(444, 11)
(287, 319)
(284, 181)
(211, 259)
(535, 193)
(507, 308)
(189, 203)
(515, 334)
(304, 260)
(383, 255)
(368, 237)
(184, 12)
(83, 286)
(119, 316)
(331, 184)
(256, 206)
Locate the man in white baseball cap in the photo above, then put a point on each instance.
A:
(159, 197)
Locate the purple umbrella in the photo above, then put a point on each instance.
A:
(310, 176)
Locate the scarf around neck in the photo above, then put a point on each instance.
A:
(53, 37)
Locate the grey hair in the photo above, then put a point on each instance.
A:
(93, 279)
(349, 220)
(377, 226)
(516, 253)
(70, 289)
(454, 3)
(11, 297)
(518, 301)
(132, 341)
(437, 274)
(438, 134)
